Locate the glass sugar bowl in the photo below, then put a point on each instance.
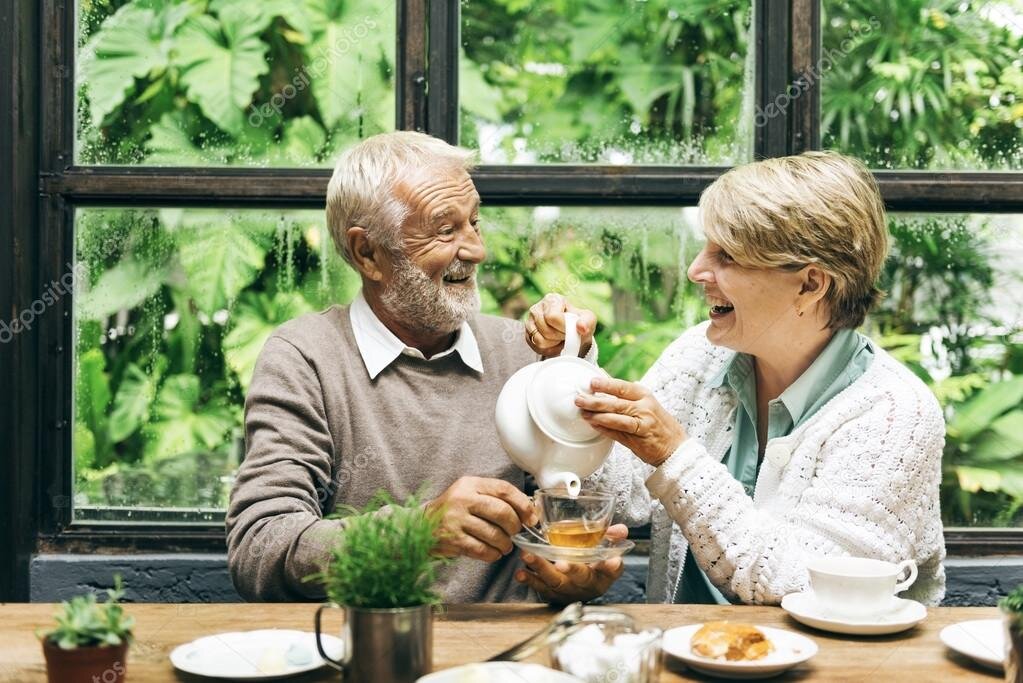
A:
(607, 646)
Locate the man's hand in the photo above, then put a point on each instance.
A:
(561, 583)
(480, 517)
(545, 329)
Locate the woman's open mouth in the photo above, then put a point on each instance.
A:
(719, 308)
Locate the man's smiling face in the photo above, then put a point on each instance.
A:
(431, 283)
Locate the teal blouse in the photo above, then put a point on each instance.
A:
(846, 357)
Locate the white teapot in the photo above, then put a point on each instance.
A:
(539, 424)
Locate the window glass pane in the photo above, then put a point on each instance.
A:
(231, 82)
(607, 81)
(954, 314)
(173, 307)
(924, 85)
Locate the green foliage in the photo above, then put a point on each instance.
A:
(1013, 602)
(85, 623)
(177, 304)
(232, 81)
(384, 557)
(575, 80)
(924, 83)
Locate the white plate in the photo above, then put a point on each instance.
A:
(499, 672)
(804, 608)
(254, 655)
(555, 553)
(790, 649)
(982, 640)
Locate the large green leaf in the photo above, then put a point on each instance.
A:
(133, 43)
(1004, 477)
(131, 404)
(220, 263)
(255, 317)
(348, 57)
(221, 62)
(181, 425)
(979, 412)
(303, 140)
(92, 397)
(1003, 441)
(123, 287)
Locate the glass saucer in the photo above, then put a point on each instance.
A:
(607, 549)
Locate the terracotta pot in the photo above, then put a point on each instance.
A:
(85, 664)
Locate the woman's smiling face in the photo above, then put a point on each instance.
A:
(751, 310)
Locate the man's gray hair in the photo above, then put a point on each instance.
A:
(362, 189)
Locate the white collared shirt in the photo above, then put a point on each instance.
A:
(379, 346)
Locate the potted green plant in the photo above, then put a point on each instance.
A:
(91, 639)
(1012, 617)
(381, 574)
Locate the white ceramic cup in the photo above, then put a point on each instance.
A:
(858, 587)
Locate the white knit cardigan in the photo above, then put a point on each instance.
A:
(859, 478)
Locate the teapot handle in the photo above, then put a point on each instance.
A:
(572, 341)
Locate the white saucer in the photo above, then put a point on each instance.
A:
(254, 655)
(499, 672)
(803, 607)
(790, 649)
(982, 640)
(555, 553)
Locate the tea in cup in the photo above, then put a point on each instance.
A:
(858, 587)
(578, 521)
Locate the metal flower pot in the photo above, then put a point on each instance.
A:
(382, 644)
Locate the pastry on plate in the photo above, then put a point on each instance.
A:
(732, 641)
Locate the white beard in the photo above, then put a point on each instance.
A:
(420, 303)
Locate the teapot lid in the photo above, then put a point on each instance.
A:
(550, 397)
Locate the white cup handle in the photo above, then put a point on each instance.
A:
(909, 565)
(572, 341)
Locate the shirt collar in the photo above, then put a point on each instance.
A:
(815, 381)
(379, 347)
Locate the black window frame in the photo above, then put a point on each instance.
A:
(39, 196)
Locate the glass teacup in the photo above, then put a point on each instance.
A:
(578, 521)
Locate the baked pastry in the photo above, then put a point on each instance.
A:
(734, 642)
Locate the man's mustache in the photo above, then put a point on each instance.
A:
(460, 269)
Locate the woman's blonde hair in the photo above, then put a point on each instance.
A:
(818, 208)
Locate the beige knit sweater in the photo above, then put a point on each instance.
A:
(320, 434)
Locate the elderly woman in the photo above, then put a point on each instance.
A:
(775, 432)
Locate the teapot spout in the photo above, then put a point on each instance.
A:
(554, 480)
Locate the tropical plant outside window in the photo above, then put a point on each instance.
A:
(919, 84)
(175, 304)
(607, 81)
(268, 83)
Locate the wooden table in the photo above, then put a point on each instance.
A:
(472, 633)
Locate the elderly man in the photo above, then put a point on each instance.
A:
(396, 392)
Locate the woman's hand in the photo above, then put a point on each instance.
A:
(562, 583)
(628, 413)
(545, 329)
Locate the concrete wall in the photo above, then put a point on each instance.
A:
(204, 578)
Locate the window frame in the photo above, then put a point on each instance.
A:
(46, 186)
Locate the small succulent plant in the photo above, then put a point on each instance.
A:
(84, 622)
